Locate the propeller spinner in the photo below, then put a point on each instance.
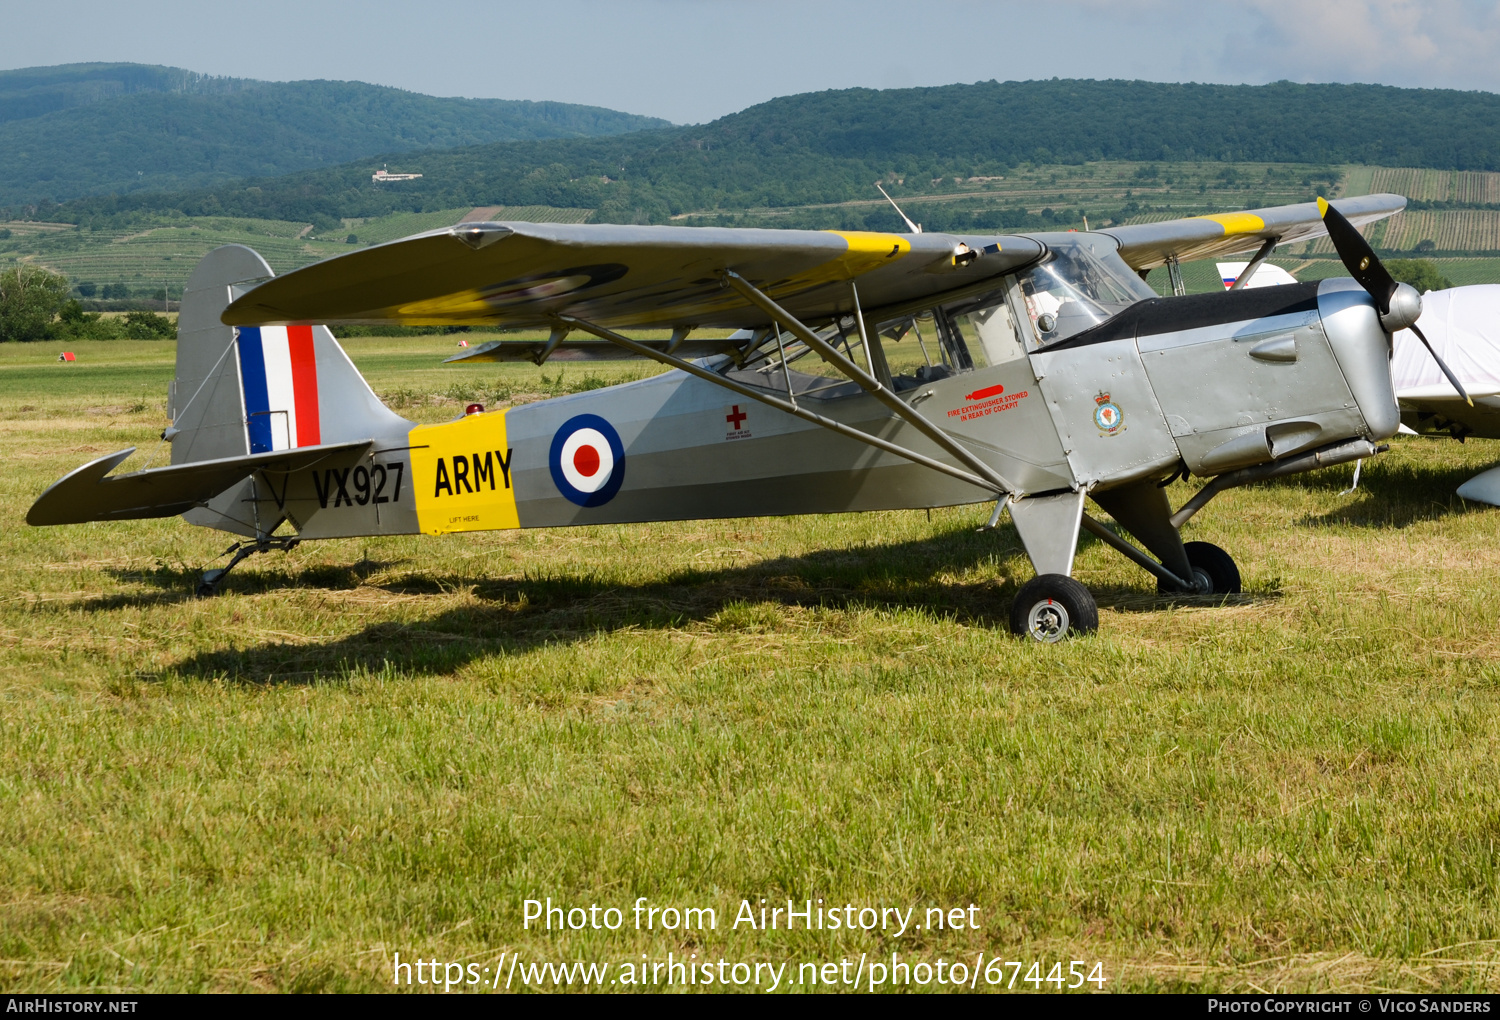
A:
(1399, 304)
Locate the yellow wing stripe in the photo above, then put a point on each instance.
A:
(462, 475)
(866, 251)
(1236, 222)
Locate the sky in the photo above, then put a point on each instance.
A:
(691, 61)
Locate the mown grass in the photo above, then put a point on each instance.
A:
(376, 746)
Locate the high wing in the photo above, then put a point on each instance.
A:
(523, 274)
(1148, 245)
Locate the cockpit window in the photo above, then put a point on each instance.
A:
(1074, 288)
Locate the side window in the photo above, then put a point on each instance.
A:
(921, 348)
(994, 329)
(955, 345)
(945, 341)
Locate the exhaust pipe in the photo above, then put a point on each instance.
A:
(1324, 456)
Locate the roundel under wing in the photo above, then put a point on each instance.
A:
(587, 460)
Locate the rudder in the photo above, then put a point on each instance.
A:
(256, 390)
(248, 391)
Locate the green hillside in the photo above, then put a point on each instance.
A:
(123, 128)
(149, 257)
(34, 91)
(828, 147)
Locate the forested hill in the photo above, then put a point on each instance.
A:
(33, 91)
(829, 146)
(1074, 121)
(88, 129)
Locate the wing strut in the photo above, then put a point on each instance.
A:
(870, 384)
(839, 427)
(1174, 274)
(1255, 262)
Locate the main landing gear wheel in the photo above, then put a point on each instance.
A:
(1213, 569)
(1049, 607)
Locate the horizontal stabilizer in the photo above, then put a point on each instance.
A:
(85, 494)
(588, 350)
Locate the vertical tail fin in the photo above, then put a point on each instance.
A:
(260, 389)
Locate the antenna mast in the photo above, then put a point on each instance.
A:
(916, 228)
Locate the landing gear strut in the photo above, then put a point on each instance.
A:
(208, 585)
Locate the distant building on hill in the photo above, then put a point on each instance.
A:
(383, 175)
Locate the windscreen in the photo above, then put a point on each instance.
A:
(1074, 288)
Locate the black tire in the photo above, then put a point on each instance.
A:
(1050, 607)
(1211, 565)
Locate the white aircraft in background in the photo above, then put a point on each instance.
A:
(1266, 275)
(1463, 325)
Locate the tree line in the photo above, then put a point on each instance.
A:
(35, 304)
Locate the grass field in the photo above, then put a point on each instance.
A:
(372, 747)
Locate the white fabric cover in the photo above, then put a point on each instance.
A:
(1464, 327)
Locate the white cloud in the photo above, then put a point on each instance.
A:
(1418, 43)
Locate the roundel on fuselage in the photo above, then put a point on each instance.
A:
(587, 460)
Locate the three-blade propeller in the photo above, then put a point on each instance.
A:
(1399, 304)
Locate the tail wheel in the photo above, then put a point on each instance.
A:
(1049, 607)
(1213, 569)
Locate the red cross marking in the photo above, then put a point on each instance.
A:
(736, 418)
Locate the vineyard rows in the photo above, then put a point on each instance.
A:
(389, 228)
(398, 225)
(1469, 230)
(1438, 185)
(1460, 230)
(170, 256)
(19, 227)
(542, 214)
(1158, 217)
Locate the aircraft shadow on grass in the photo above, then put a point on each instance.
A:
(517, 614)
(513, 615)
(1388, 496)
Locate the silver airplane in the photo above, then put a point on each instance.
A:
(864, 371)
